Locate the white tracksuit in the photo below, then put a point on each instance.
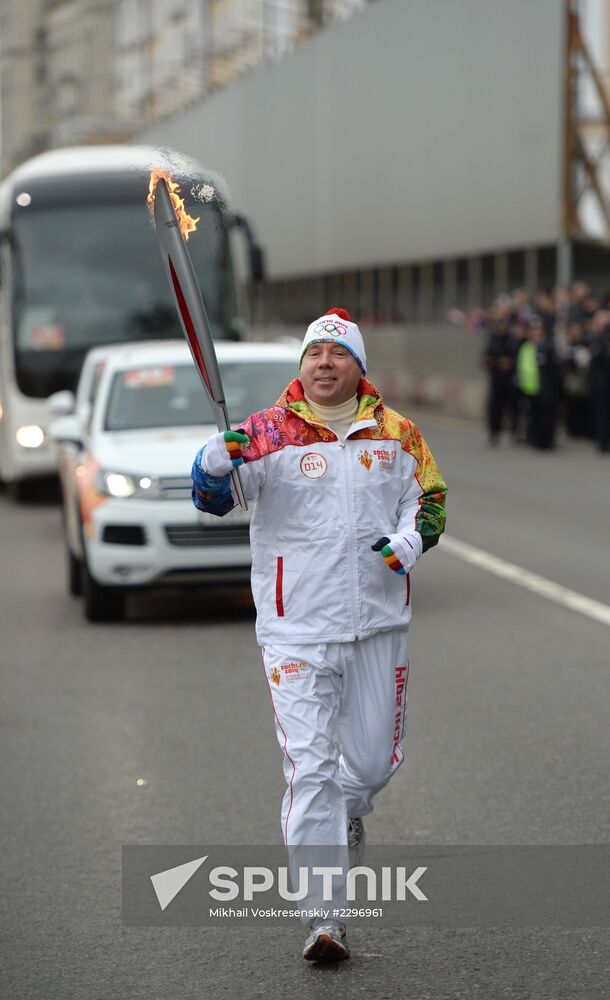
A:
(331, 617)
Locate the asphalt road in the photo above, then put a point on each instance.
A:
(507, 743)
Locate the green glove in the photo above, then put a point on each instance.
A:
(389, 556)
(223, 452)
(235, 442)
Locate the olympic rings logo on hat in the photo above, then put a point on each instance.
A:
(335, 328)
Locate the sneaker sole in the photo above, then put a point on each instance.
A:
(326, 949)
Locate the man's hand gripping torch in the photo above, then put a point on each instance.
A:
(192, 313)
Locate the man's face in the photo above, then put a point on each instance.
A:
(329, 374)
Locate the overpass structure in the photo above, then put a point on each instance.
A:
(418, 157)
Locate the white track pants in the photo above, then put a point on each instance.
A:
(340, 712)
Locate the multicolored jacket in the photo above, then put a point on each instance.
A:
(320, 505)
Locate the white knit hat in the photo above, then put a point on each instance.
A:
(336, 327)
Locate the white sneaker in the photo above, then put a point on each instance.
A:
(326, 943)
(356, 841)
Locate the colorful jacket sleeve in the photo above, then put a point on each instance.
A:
(214, 494)
(422, 506)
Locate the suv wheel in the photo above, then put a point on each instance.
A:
(74, 573)
(74, 568)
(102, 604)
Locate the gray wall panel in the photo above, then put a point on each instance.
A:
(419, 129)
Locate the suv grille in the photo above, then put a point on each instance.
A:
(175, 487)
(189, 535)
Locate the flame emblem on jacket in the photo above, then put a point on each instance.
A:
(365, 459)
(275, 675)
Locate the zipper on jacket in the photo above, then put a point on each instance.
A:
(350, 542)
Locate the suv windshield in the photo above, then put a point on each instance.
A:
(172, 395)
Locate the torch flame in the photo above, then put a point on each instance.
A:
(186, 222)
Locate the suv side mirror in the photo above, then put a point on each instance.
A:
(66, 430)
(62, 403)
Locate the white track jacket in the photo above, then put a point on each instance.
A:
(320, 504)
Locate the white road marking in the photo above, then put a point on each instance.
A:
(524, 578)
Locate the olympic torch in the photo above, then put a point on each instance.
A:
(190, 307)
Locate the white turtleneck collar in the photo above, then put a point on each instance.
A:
(339, 418)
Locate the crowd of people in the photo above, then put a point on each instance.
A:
(548, 360)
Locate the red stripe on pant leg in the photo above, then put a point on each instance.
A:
(279, 581)
(294, 767)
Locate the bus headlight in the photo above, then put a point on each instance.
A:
(30, 436)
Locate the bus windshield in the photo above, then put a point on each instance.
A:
(92, 274)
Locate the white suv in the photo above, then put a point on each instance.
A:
(131, 521)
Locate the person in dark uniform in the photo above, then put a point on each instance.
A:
(599, 381)
(575, 372)
(543, 412)
(521, 401)
(500, 359)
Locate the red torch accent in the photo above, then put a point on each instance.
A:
(188, 323)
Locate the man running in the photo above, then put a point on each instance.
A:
(348, 497)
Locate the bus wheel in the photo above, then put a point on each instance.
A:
(102, 604)
(20, 490)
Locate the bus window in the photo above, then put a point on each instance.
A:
(91, 274)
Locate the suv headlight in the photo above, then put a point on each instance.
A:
(123, 484)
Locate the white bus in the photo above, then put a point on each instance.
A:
(80, 267)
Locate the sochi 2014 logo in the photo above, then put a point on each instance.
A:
(295, 671)
(334, 327)
(276, 676)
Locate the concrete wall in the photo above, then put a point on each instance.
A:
(420, 364)
(418, 129)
